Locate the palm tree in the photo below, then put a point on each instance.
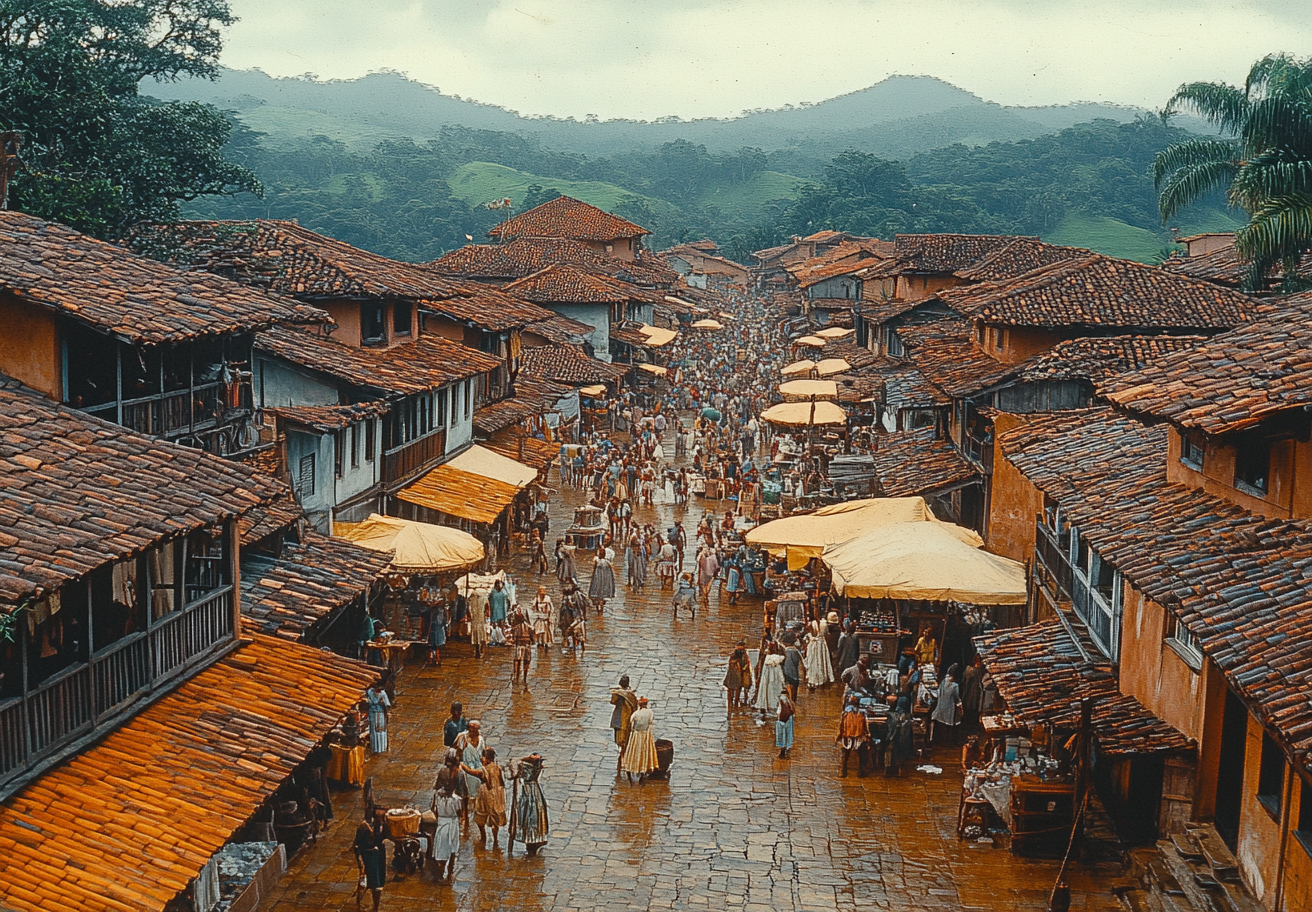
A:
(1265, 163)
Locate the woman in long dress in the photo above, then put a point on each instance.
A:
(602, 586)
(565, 568)
(469, 746)
(446, 805)
(478, 621)
(490, 801)
(819, 668)
(543, 615)
(379, 705)
(529, 824)
(739, 676)
(636, 559)
(771, 684)
(640, 753)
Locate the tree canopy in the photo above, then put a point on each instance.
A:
(1263, 161)
(96, 154)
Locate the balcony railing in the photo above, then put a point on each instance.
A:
(1053, 564)
(177, 413)
(407, 460)
(84, 697)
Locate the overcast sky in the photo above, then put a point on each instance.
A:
(651, 58)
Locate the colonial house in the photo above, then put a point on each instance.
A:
(130, 704)
(698, 261)
(133, 341)
(588, 297)
(566, 217)
(504, 262)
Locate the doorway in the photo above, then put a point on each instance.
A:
(1230, 769)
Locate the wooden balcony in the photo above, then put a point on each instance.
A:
(96, 695)
(406, 461)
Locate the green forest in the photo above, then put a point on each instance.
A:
(1089, 185)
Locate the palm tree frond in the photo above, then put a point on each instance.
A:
(1278, 122)
(1222, 105)
(1191, 153)
(1262, 179)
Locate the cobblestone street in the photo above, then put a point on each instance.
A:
(734, 827)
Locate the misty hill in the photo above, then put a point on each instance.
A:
(897, 117)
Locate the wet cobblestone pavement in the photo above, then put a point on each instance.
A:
(733, 828)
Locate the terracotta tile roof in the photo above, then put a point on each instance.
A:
(77, 492)
(427, 363)
(568, 364)
(704, 246)
(531, 451)
(1233, 381)
(1238, 581)
(1224, 267)
(284, 257)
(860, 358)
(175, 782)
(560, 330)
(907, 388)
(827, 234)
(568, 284)
(525, 256)
(329, 417)
(946, 354)
(1043, 674)
(916, 463)
(533, 396)
(1017, 258)
(628, 336)
(946, 252)
(1099, 358)
(566, 217)
(288, 596)
(129, 296)
(269, 518)
(1102, 291)
(883, 311)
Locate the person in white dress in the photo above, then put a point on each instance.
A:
(478, 631)
(640, 751)
(771, 685)
(446, 804)
(819, 667)
(543, 615)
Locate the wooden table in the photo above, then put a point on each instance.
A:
(346, 764)
(393, 652)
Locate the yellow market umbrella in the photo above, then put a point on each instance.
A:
(657, 336)
(808, 389)
(798, 369)
(923, 561)
(804, 414)
(416, 547)
(805, 535)
(597, 389)
(708, 324)
(830, 366)
(653, 369)
(835, 332)
(812, 341)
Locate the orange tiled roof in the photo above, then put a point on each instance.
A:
(131, 820)
(1099, 358)
(917, 463)
(565, 283)
(284, 257)
(77, 492)
(566, 217)
(946, 354)
(427, 363)
(1102, 291)
(1225, 267)
(946, 252)
(533, 396)
(529, 450)
(568, 364)
(1022, 255)
(1233, 381)
(127, 295)
(524, 256)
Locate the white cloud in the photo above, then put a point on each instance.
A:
(623, 58)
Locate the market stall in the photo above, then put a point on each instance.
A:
(805, 390)
(803, 368)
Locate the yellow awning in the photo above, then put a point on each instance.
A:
(479, 460)
(597, 389)
(654, 369)
(812, 341)
(923, 561)
(804, 414)
(835, 332)
(656, 336)
(799, 369)
(807, 389)
(805, 536)
(417, 547)
(462, 494)
(830, 366)
(708, 324)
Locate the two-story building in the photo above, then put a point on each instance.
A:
(565, 217)
(130, 704)
(131, 340)
(588, 297)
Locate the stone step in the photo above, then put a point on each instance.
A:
(1216, 853)
(1186, 848)
(1162, 877)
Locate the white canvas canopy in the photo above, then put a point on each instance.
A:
(416, 547)
(835, 332)
(830, 366)
(923, 561)
(804, 414)
(812, 341)
(657, 336)
(479, 460)
(806, 535)
(801, 368)
(807, 389)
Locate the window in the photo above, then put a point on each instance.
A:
(339, 448)
(370, 443)
(305, 476)
(355, 445)
(401, 316)
(1303, 822)
(372, 325)
(1097, 595)
(894, 344)
(439, 417)
(1192, 450)
(1271, 777)
(1253, 466)
(469, 398)
(1184, 642)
